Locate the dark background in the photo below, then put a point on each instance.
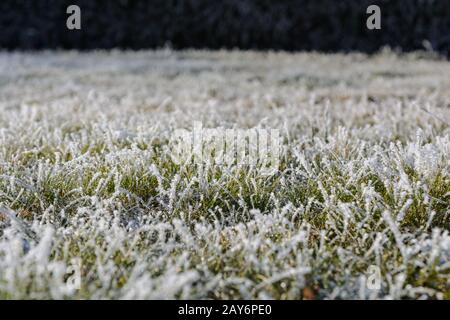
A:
(323, 25)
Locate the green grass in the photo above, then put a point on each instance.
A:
(87, 180)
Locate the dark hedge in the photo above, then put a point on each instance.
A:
(325, 25)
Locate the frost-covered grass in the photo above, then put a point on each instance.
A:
(87, 182)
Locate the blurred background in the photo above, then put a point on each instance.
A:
(321, 25)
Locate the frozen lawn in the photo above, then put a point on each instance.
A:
(92, 206)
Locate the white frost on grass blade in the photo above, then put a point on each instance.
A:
(92, 205)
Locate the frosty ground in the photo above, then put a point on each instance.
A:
(93, 206)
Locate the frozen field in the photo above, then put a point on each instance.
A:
(92, 204)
